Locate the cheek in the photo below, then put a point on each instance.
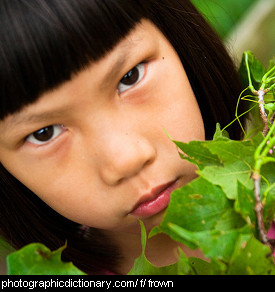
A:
(178, 104)
(64, 190)
(183, 120)
(69, 195)
(51, 184)
(188, 123)
(75, 195)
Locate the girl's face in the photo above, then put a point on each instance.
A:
(96, 149)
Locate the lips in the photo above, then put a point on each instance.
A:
(154, 202)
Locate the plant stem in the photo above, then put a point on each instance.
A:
(261, 94)
(259, 208)
(261, 158)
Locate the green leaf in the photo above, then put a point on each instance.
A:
(199, 206)
(37, 259)
(223, 160)
(251, 258)
(143, 267)
(229, 220)
(269, 208)
(227, 177)
(271, 73)
(230, 151)
(245, 204)
(197, 153)
(215, 244)
(219, 134)
(257, 70)
(271, 64)
(268, 192)
(201, 267)
(238, 161)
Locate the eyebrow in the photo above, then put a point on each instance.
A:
(115, 69)
(21, 119)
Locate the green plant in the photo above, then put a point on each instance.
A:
(226, 211)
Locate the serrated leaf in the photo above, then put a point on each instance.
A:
(230, 151)
(196, 153)
(238, 160)
(37, 259)
(200, 206)
(227, 177)
(216, 211)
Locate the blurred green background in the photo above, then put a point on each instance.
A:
(243, 25)
(224, 14)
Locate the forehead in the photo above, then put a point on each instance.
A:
(134, 47)
(44, 42)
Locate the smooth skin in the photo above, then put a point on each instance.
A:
(94, 146)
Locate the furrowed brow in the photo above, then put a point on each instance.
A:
(21, 118)
(113, 72)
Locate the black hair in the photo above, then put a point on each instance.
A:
(44, 43)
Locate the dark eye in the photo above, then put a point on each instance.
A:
(45, 135)
(131, 78)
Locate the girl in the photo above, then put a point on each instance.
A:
(87, 89)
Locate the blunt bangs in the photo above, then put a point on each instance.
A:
(44, 42)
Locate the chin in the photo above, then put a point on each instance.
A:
(153, 221)
(133, 227)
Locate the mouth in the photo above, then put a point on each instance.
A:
(155, 201)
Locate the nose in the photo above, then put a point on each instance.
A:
(124, 156)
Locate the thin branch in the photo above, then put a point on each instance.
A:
(261, 94)
(259, 209)
(272, 119)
